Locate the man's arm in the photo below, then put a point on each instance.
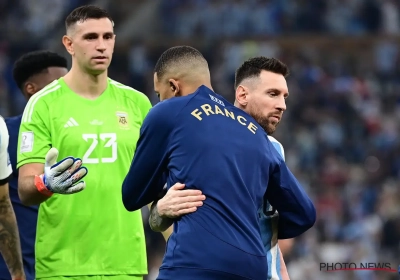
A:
(296, 210)
(156, 222)
(285, 245)
(34, 141)
(175, 203)
(63, 177)
(284, 272)
(146, 176)
(10, 247)
(171, 205)
(27, 191)
(40, 175)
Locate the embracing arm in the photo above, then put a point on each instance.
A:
(296, 211)
(147, 174)
(173, 204)
(158, 223)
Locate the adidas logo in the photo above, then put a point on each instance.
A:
(71, 122)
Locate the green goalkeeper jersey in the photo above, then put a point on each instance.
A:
(90, 232)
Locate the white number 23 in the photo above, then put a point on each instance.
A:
(110, 140)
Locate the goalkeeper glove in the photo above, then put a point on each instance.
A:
(61, 177)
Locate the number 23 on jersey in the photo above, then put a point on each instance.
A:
(104, 145)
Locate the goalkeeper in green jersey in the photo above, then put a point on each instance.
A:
(83, 119)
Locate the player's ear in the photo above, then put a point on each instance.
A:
(67, 42)
(241, 95)
(174, 86)
(29, 89)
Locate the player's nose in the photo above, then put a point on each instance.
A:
(281, 105)
(101, 46)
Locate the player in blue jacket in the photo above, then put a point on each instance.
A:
(256, 77)
(206, 142)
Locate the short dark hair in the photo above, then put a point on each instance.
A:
(178, 54)
(86, 12)
(252, 68)
(35, 62)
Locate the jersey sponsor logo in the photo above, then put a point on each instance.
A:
(96, 122)
(26, 142)
(122, 118)
(71, 122)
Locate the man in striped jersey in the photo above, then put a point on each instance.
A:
(83, 229)
(261, 90)
(263, 80)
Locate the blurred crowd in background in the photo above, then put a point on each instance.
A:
(341, 128)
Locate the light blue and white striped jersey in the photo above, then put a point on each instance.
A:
(269, 229)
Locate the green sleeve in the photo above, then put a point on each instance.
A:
(145, 105)
(34, 140)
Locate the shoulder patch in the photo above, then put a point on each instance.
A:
(27, 142)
